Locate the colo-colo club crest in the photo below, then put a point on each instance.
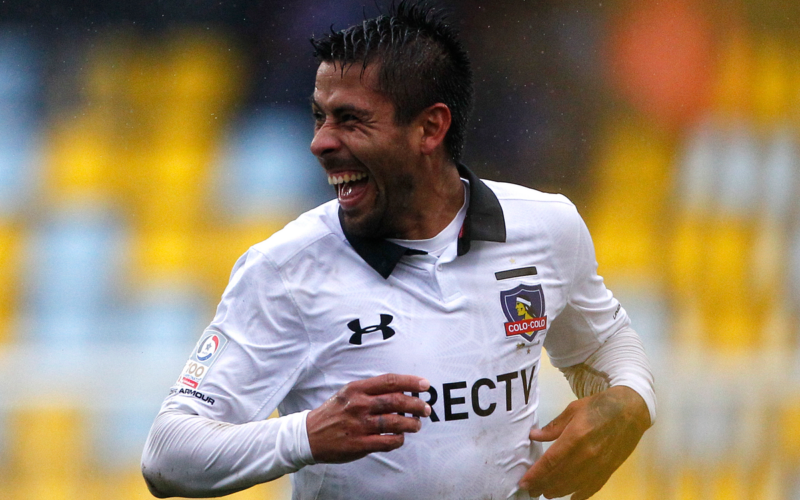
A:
(524, 310)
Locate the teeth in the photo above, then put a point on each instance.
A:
(340, 179)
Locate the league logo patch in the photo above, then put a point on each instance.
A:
(524, 310)
(207, 347)
(203, 356)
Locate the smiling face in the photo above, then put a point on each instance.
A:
(371, 161)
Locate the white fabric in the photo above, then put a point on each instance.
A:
(284, 328)
(254, 452)
(620, 361)
(590, 313)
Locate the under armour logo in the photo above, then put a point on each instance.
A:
(355, 325)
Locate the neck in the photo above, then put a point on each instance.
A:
(436, 202)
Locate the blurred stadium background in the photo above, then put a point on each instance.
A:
(145, 145)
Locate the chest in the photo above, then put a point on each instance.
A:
(473, 326)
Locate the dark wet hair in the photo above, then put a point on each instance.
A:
(422, 62)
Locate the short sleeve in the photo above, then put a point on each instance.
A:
(591, 314)
(252, 353)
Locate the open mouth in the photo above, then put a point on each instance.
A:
(350, 187)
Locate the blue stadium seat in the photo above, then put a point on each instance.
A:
(267, 170)
(170, 315)
(19, 120)
(74, 274)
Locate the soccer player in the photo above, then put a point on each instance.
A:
(398, 329)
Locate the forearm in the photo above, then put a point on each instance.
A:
(193, 456)
(620, 361)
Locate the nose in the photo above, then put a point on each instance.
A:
(325, 141)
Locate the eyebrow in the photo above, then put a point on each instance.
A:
(339, 110)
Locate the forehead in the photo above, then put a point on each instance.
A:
(336, 87)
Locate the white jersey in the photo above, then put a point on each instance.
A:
(311, 309)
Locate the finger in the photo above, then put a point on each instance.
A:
(398, 402)
(392, 423)
(568, 480)
(391, 382)
(574, 470)
(553, 430)
(587, 492)
(547, 470)
(382, 442)
(538, 477)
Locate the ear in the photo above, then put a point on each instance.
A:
(435, 122)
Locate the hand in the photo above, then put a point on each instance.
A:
(593, 436)
(363, 418)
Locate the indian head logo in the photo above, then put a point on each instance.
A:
(524, 310)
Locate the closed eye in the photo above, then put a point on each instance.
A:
(319, 118)
(348, 118)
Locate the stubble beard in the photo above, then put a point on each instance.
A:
(385, 219)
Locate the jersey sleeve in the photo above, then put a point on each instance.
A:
(591, 314)
(212, 436)
(251, 355)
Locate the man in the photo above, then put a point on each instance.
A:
(382, 325)
(524, 308)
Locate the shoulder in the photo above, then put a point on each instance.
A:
(299, 254)
(312, 230)
(515, 199)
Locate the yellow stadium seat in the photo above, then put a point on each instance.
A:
(729, 483)
(628, 231)
(88, 145)
(206, 66)
(771, 81)
(173, 198)
(106, 71)
(215, 251)
(768, 258)
(627, 483)
(789, 431)
(687, 252)
(130, 485)
(689, 485)
(79, 158)
(275, 490)
(49, 453)
(731, 324)
(180, 91)
(205, 256)
(794, 85)
(10, 261)
(734, 81)
(768, 480)
(778, 327)
(162, 254)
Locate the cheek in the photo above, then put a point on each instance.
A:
(378, 154)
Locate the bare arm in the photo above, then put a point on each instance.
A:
(595, 434)
(593, 437)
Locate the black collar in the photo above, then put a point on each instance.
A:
(484, 222)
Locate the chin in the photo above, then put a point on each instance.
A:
(374, 224)
(362, 226)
